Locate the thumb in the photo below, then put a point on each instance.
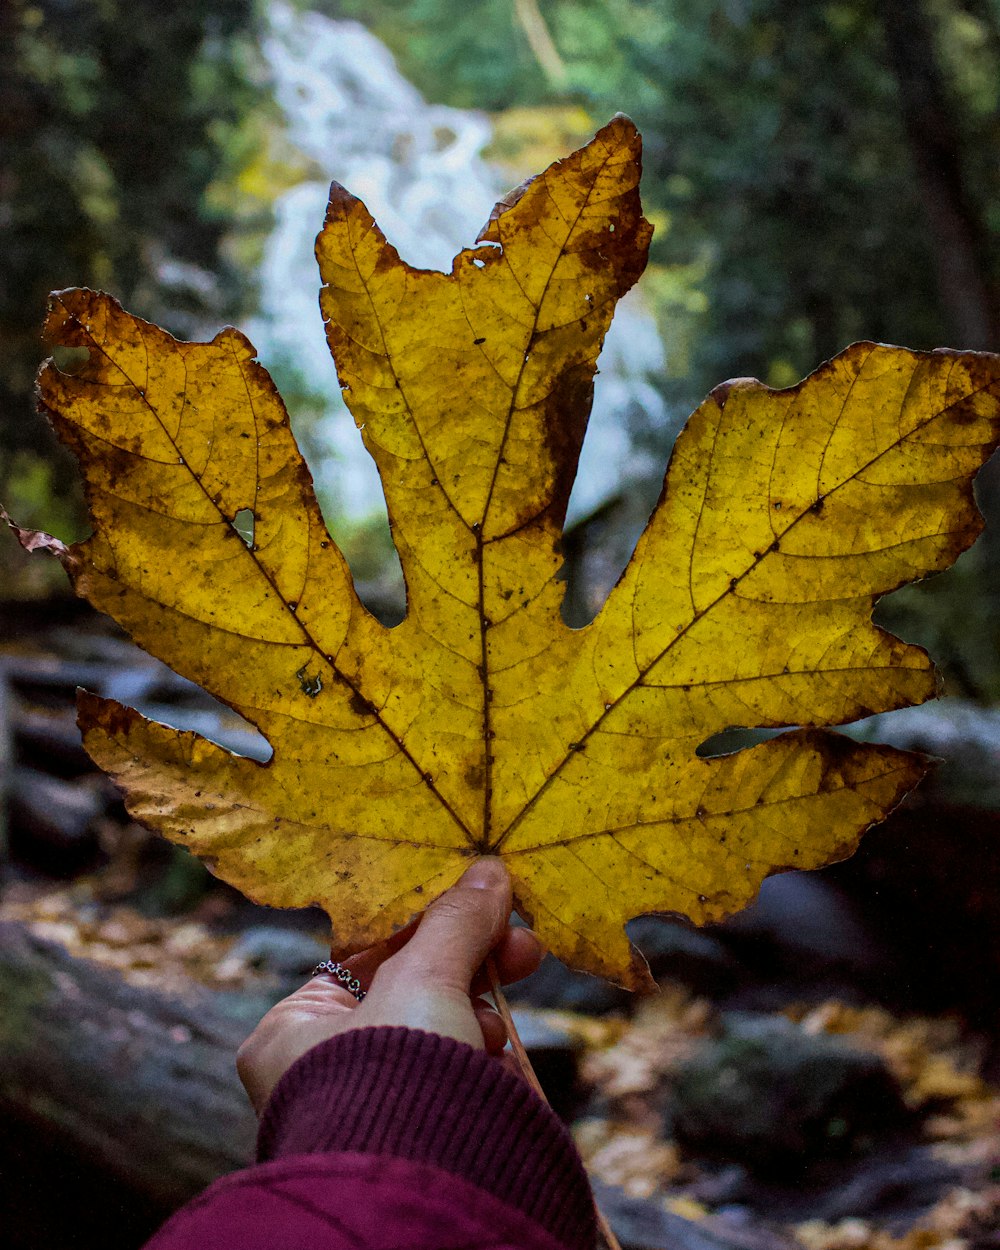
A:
(459, 929)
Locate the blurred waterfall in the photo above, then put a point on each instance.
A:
(418, 167)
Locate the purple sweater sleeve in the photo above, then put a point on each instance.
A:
(417, 1138)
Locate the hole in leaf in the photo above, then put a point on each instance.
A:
(243, 524)
(729, 741)
(70, 359)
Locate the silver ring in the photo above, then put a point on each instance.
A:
(344, 975)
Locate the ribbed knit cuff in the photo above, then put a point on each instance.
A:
(419, 1096)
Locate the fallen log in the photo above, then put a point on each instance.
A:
(49, 739)
(138, 1086)
(127, 1100)
(144, 1083)
(60, 816)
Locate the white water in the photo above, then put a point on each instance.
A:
(419, 169)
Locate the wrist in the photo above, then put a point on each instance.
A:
(420, 1096)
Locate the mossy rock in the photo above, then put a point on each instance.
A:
(778, 1100)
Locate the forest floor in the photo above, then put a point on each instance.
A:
(907, 1159)
(624, 1069)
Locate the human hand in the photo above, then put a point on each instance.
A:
(429, 976)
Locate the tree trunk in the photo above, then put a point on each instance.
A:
(961, 257)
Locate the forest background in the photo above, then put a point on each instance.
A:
(817, 173)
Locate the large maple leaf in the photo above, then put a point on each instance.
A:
(482, 723)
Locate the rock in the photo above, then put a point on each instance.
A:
(560, 988)
(48, 815)
(802, 932)
(895, 1185)
(778, 1101)
(801, 911)
(645, 1224)
(539, 1032)
(50, 740)
(51, 676)
(281, 952)
(673, 950)
(554, 1054)
(681, 952)
(927, 881)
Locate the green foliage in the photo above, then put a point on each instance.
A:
(782, 162)
(470, 55)
(777, 157)
(117, 122)
(956, 616)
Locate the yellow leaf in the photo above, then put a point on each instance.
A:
(482, 723)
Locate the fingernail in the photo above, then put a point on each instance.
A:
(485, 874)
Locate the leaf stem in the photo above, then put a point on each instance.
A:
(528, 1072)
